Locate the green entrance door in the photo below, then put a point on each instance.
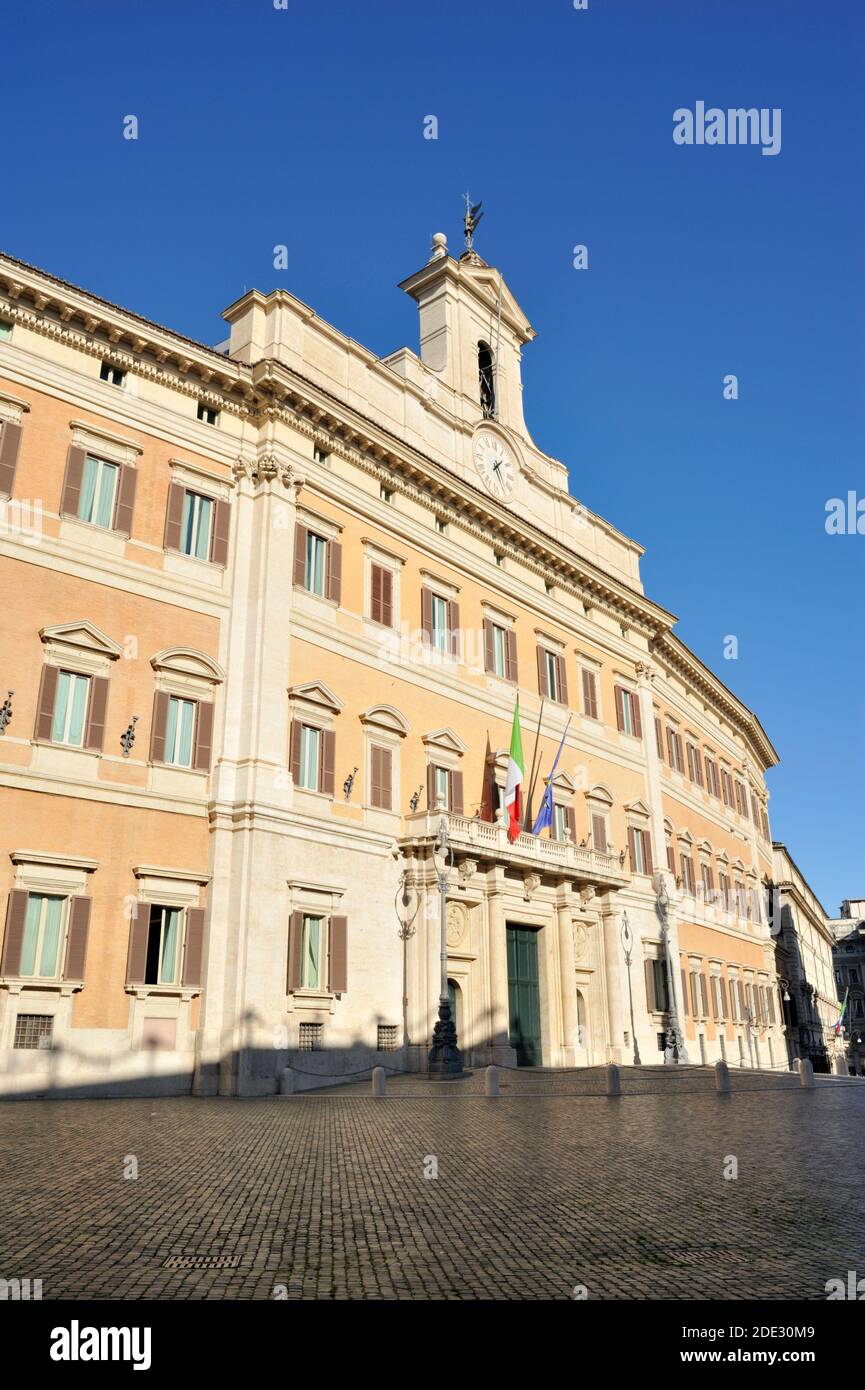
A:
(523, 998)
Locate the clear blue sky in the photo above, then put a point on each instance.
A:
(261, 126)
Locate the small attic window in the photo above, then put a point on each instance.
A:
(207, 414)
(487, 384)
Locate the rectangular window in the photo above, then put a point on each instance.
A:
(385, 493)
(590, 694)
(551, 668)
(320, 455)
(310, 740)
(179, 731)
(381, 777)
(5, 331)
(724, 890)
(163, 945)
(500, 651)
(674, 744)
(207, 414)
(196, 525)
(439, 610)
(726, 788)
(98, 492)
(310, 1037)
(381, 595)
(639, 846)
(659, 974)
(695, 771)
(115, 375)
(687, 873)
(740, 899)
(712, 784)
(671, 857)
(707, 880)
(599, 833)
(316, 564)
(310, 952)
(627, 711)
(442, 788)
(70, 709)
(43, 930)
(33, 1031)
(560, 822)
(659, 739)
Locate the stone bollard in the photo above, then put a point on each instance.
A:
(806, 1074)
(614, 1081)
(840, 1067)
(722, 1078)
(286, 1081)
(378, 1081)
(491, 1081)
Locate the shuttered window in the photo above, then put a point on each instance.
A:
(628, 712)
(695, 770)
(687, 873)
(317, 953)
(671, 857)
(98, 492)
(564, 823)
(640, 848)
(599, 832)
(590, 693)
(707, 880)
(10, 443)
(180, 730)
(674, 745)
(43, 937)
(70, 708)
(381, 595)
(712, 784)
(657, 993)
(381, 777)
(659, 739)
(726, 788)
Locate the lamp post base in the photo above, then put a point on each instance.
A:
(445, 1058)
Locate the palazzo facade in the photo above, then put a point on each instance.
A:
(269, 607)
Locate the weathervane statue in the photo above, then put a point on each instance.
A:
(472, 218)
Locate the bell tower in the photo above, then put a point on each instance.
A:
(472, 331)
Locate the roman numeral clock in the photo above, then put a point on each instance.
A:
(496, 464)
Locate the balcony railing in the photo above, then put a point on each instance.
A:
(483, 840)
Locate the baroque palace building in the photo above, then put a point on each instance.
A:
(269, 606)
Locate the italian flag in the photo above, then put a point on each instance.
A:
(514, 779)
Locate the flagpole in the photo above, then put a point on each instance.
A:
(528, 802)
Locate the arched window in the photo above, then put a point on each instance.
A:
(487, 381)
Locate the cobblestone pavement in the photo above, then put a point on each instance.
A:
(326, 1195)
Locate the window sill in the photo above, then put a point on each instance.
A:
(93, 537)
(181, 781)
(181, 992)
(63, 759)
(189, 567)
(16, 984)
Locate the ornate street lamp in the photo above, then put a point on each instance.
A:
(406, 911)
(675, 1036)
(627, 945)
(445, 1058)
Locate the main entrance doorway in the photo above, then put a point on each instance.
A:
(524, 1004)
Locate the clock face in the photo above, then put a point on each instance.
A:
(495, 463)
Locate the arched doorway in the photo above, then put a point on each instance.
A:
(582, 1048)
(455, 1002)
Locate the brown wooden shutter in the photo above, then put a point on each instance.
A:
(671, 859)
(742, 1003)
(337, 955)
(374, 776)
(295, 950)
(376, 574)
(294, 754)
(723, 989)
(563, 679)
(649, 967)
(456, 792)
(454, 627)
(488, 646)
(387, 598)
(139, 931)
(542, 672)
(647, 851)
(13, 937)
(770, 1003)
(94, 732)
(620, 714)
(426, 613)
(328, 762)
(203, 736)
(684, 992)
(174, 516)
(571, 823)
(386, 778)
(71, 495)
(695, 998)
(636, 721)
(221, 531)
(704, 995)
(193, 950)
(45, 704)
(431, 787)
(76, 940)
(300, 534)
(10, 442)
(659, 739)
(511, 654)
(590, 694)
(125, 504)
(599, 834)
(334, 572)
(159, 726)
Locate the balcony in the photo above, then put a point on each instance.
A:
(483, 841)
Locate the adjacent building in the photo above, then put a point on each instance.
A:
(804, 944)
(269, 609)
(849, 958)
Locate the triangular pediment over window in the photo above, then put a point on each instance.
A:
(83, 635)
(316, 693)
(446, 740)
(638, 808)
